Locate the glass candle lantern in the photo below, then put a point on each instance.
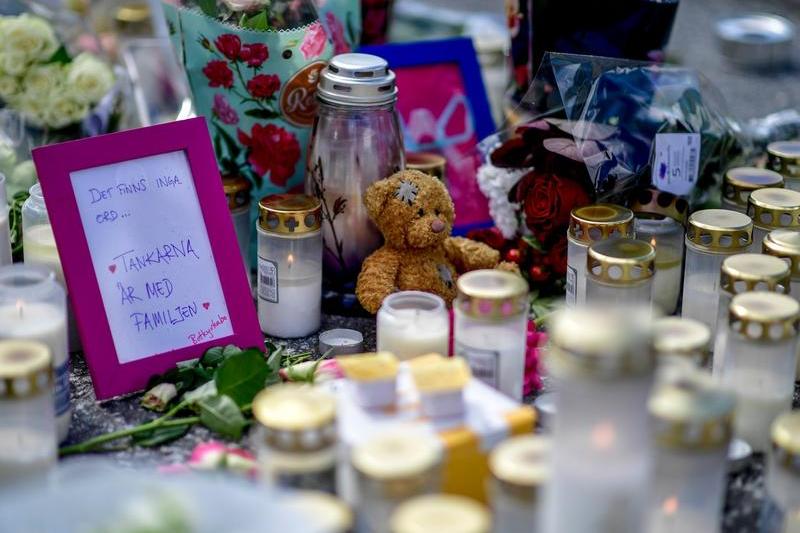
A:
(39, 248)
(739, 182)
(412, 323)
(693, 426)
(711, 236)
(773, 209)
(760, 359)
(33, 307)
(681, 339)
(785, 244)
(519, 468)
(589, 224)
(602, 363)
(442, 513)
(660, 217)
(742, 273)
(289, 265)
(491, 321)
(5, 228)
(27, 420)
(390, 469)
(784, 157)
(620, 271)
(782, 513)
(296, 437)
(237, 192)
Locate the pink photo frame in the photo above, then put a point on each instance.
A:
(56, 166)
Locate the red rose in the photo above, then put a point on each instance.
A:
(229, 45)
(263, 86)
(557, 255)
(489, 236)
(254, 54)
(547, 200)
(271, 149)
(218, 74)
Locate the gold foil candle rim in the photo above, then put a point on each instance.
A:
(25, 369)
(720, 230)
(739, 182)
(492, 294)
(784, 244)
(290, 214)
(749, 272)
(237, 191)
(652, 201)
(784, 157)
(786, 441)
(774, 208)
(764, 316)
(682, 336)
(597, 222)
(296, 417)
(621, 261)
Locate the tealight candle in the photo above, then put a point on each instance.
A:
(740, 182)
(773, 209)
(782, 512)
(5, 228)
(620, 271)
(760, 359)
(602, 364)
(33, 307)
(784, 157)
(785, 244)
(289, 265)
(413, 323)
(589, 224)
(711, 236)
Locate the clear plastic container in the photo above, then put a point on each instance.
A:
(5, 228)
(760, 359)
(782, 508)
(711, 236)
(491, 324)
(772, 209)
(739, 182)
(289, 265)
(620, 272)
(33, 307)
(27, 419)
(785, 244)
(519, 469)
(412, 323)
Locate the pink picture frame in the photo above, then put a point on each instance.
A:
(56, 164)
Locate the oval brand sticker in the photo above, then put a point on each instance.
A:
(298, 99)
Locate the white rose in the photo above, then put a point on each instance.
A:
(42, 80)
(8, 158)
(21, 178)
(245, 5)
(9, 87)
(64, 110)
(13, 63)
(31, 38)
(88, 79)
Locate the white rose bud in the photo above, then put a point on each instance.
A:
(157, 398)
(89, 79)
(245, 5)
(28, 38)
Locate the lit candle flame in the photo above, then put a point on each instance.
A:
(290, 260)
(653, 241)
(604, 435)
(20, 307)
(670, 505)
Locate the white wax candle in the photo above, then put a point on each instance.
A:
(495, 354)
(755, 414)
(408, 333)
(5, 236)
(297, 310)
(34, 453)
(46, 323)
(667, 282)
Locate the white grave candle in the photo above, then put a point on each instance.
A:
(413, 323)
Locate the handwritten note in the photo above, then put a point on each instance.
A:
(151, 255)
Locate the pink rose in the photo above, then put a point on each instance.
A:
(336, 29)
(224, 111)
(314, 41)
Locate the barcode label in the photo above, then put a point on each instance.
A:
(267, 280)
(676, 161)
(572, 286)
(483, 363)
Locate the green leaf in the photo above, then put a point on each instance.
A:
(531, 241)
(60, 56)
(204, 391)
(221, 414)
(261, 113)
(216, 355)
(209, 7)
(257, 22)
(230, 143)
(242, 376)
(160, 435)
(189, 363)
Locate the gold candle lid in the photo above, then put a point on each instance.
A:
(25, 369)
(784, 157)
(720, 230)
(596, 222)
(754, 272)
(296, 417)
(652, 201)
(428, 163)
(237, 191)
(621, 261)
(441, 513)
(520, 464)
(682, 336)
(739, 182)
(692, 414)
(289, 214)
(774, 208)
(786, 441)
(785, 244)
(492, 294)
(401, 463)
(329, 512)
(764, 316)
(601, 341)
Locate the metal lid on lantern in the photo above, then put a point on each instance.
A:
(784, 157)
(784, 244)
(621, 261)
(774, 208)
(674, 335)
(786, 441)
(720, 230)
(492, 294)
(655, 203)
(597, 222)
(739, 182)
(754, 272)
(290, 214)
(358, 80)
(764, 316)
(237, 191)
(25, 369)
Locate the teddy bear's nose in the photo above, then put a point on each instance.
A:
(437, 226)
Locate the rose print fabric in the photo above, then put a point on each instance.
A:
(342, 22)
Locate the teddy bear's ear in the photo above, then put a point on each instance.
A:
(376, 196)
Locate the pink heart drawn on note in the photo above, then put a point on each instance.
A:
(206, 305)
(112, 268)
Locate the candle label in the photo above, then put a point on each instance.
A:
(676, 159)
(62, 388)
(268, 280)
(483, 363)
(151, 255)
(572, 286)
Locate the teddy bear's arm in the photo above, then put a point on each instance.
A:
(466, 254)
(377, 279)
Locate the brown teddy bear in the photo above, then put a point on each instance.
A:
(415, 214)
